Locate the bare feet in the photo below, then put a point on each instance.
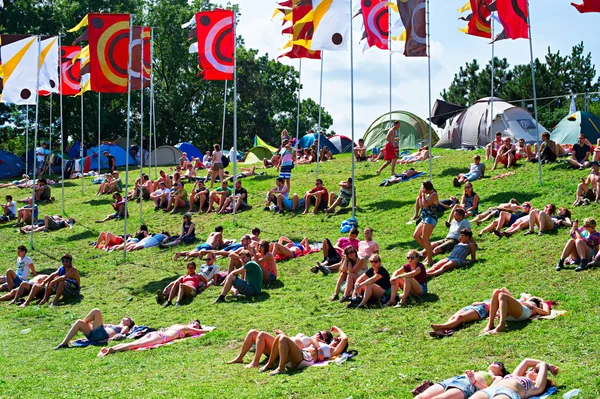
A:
(498, 329)
(236, 360)
(436, 327)
(486, 329)
(251, 365)
(305, 212)
(275, 372)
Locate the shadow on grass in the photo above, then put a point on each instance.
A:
(99, 201)
(365, 176)
(274, 285)
(249, 299)
(71, 300)
(503, 197)
(154, 286)
(84, 235)
(453, 171)
(387, 205)
(263, 177)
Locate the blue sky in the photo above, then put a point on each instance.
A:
(555, 24)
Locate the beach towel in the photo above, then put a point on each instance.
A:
(83, 343)
(386, 182)
(313, 248)
(553, 315)
(177, 340)
(547, 393)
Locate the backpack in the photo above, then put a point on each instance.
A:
(225, 162)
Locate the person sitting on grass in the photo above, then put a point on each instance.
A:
(345, 196)
(213, 242)
(188, 233)
(250, 284)
(119, 208)
(512, 309)
(147, 188)
(166, 335)
(306, 158)
(292, 357)
(524, 151)
(530, 379)
(184, 286)
(272, 194)
(411, 278)
(244, 172)
(161, 196)
(266, 260)
(457, 257)
(491, 150)
(332, 254)
(24, 288)
(373, 285)
(43, 192)
(465, 385)
(9, 210)
(273, 162)
(178, 199)
(235, 202)
(549, 150)
(285, 248)
(190, 172)
(199, 197)
(476, 172)
(507, 154)
(474, 312)
(93, 328)
(351, 268)
(360, 151)
(580, 158)
(163, 178)
(507, 219)
(325, 154)
(583, 245)
(24, 214)
(317, 196)
(65, 281)
(519, 224)
(112, 184)
(284, 203)
(219, 196)
(263, 342)
(546, 220)
(470, 201)
(366, 248)
(51, 223)
(589, 189)
(459, 223)
(14, 278)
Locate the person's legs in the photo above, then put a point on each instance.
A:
(288, 352)
(371, 291)
(494, 305)
(264, 343)
(457, 319)
(185, 290)
(507, 305)
(426, 234)
(94, 318)
(545, 222)
(280, 249)
(409, 286)
(10, 279)
(317, 203)
(60, 288)
(32, 294)
(144, 342)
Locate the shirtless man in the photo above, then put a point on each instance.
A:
(213, 242)
(491, 149)
(16, 293)
(164, 178)
(65, 281)
(589, 189)
(391, 148)
(507, 154)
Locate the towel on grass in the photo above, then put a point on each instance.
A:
(547, 393)
(553, 315)
(177, 340)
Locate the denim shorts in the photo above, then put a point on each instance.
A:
(461, 383)
(204, 246)
(492, 392)
(458, 261)
(98, 334)
(480, 309)
(424, 288)
(244, 287)
(17, 281)
(472, 176)
(429, 220)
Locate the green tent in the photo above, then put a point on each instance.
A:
(414, 131)
(258, 142)
(568, 130)
(257, 154)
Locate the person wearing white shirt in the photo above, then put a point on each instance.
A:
(13, 279)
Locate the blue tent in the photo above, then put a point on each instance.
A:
(10, 165)
(311, 139)
(74, 151)
(119, 153)
(190, 150)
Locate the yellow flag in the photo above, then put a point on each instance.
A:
(84, 22)
(307, 18)
(466, 7)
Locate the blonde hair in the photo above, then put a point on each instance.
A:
(590, 222)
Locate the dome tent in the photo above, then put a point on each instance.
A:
(342, 143)
(190, 150)
(257, 154)
(569, 129)
(10, 165)
(165, 155)
(121, 156)
(471, 127)
(311, 138)
(122, 142)
(258, 141)
(414, 131)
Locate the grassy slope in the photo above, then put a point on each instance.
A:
(395, 351)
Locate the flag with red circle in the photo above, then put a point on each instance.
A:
(216, 43)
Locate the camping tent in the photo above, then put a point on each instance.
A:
(471, 127)
(122, 142)
(568, 130)
(257, 154)
(165, 155)
(311, 138)
(414, 131)
(258, 141)
(10, 165)
(121, 156)
(190, 150)
(342, 143)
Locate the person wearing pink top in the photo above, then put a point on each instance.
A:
(333, 261)
(367, 247)
(185, 285)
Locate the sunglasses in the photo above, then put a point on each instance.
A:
(410, 257)
(526, 206)
(374, 261)
(468, 187)
(65, 260)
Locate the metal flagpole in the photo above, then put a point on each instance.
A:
(130, 50)
(224, 116)
(151, 107)
(352, 107)
(319, 124)
(62, 133)
(390, 58)
(234, 108)
(153, 122)
(492, 89)
(299, 92)
(81, 147)
(535, 107)
(37, 114)
(141, 148)
(429, 80)
(99, 140)
(27, 139)
(50, 139)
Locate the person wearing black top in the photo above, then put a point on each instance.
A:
(112, 164)
(374, 284)
(239, 199)
(581, 154)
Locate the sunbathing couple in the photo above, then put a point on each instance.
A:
(292, 353)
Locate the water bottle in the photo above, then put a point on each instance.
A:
(26, 331)
(572, 393)
(342, 358)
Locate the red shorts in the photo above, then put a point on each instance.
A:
(505, 160)
(390, 152)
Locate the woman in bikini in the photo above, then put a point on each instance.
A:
(512, 309)
(294, 358)
(176, 331)
(465, 385)
(266, 260)
(546, 220)
(94, 329)
(474, 312)
(529, 379)
(263, 342)
(288, 249)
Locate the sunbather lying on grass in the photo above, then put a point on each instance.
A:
(94, 329)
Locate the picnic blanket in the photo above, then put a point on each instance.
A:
(553, 315)
(177, 340)
(83, 343)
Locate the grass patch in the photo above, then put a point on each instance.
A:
(395, 352)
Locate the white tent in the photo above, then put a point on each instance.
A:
(471, 128)
(165, 155)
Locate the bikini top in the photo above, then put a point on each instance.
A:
(524, 381)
